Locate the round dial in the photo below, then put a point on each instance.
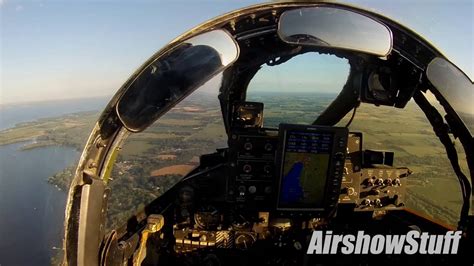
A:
(208, 217)
(244, 240)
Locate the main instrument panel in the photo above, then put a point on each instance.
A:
(277, 180)
(260, 160)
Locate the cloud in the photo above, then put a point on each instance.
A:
(2, 2)
(18, 7)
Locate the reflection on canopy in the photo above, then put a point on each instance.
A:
(173, 76)
(455, 87)
(331, 27)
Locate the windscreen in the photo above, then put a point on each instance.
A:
(300, 89)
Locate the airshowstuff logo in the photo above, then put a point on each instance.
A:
(413, 242)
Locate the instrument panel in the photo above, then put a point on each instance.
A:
(265, 168)
(257, 169)
(252, 167)
(370, 187)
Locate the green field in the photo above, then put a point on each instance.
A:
(433, 188)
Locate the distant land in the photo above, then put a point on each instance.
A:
(68, 130)
(14, 113)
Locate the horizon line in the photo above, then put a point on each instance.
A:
(54, 100)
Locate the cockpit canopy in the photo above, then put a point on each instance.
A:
(384, 70)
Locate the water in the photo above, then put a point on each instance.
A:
(12, 114)
(31, 210)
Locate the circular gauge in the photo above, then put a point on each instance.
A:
(244, 240)
(207, 218)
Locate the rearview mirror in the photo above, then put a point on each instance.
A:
(335, 28)
(173, 76)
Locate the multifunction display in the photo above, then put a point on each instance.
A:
(307, 163)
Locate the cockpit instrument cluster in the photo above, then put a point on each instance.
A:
(273, 186)
(307, 170)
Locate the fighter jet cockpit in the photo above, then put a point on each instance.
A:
(241, 138)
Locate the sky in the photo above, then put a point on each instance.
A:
(73, 49)
(316, 73)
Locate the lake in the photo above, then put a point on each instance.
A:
(31, 210)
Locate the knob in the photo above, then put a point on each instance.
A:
(248, 146)
(247, 168)
(367, 202)
(377, 203)
(397, 182)
(267, 169)
(369, 181)
(350, 191)
(268, 147)
(268, 190)
(379, 181)
(252, 189)
(388, 182)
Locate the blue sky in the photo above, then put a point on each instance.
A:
(71, 49)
